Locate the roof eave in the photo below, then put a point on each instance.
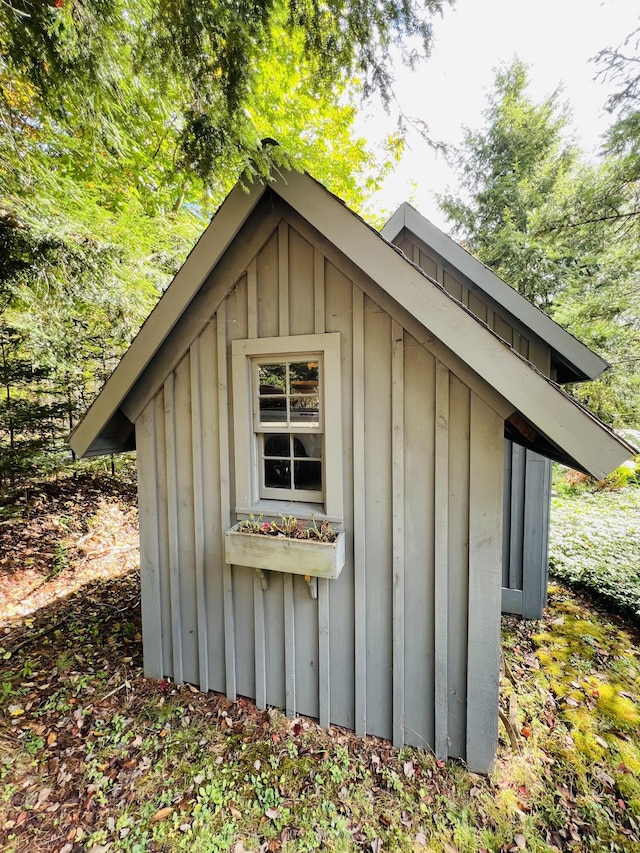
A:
(206, 253)
(569, 426)
(580, 363)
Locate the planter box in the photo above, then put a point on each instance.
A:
(279, 554)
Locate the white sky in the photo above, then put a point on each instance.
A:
(555, 37)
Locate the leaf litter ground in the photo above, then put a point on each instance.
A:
(94, 757)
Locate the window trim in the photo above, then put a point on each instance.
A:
(247, 473)
(261, 430)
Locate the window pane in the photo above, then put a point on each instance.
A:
(303, 377)
(307, 444)
(304, 411)
(277, 445)
(277, 473)
(273, 410)
(307, 475)
(272, 378)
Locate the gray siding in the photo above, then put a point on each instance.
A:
(527, 475)
(525, 540)
(385, 648)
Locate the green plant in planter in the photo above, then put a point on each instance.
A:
(290, 527)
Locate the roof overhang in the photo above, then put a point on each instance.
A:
(574, 433)
(574, 361)
(94, 435)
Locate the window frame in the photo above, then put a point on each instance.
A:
(262, 430)
(244, 354)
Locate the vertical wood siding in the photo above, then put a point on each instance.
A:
(527, 475)
(384, 648)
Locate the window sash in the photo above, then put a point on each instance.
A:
(287, 424)
(293, 493)
(289, 427)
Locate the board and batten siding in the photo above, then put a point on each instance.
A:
(405, 643)
(527, 475)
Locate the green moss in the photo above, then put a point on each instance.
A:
(619, 709)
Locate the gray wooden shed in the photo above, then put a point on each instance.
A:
(555, 352)
(411, 401)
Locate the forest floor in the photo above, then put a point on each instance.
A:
(96, 758)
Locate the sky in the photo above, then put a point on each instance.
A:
(556, 38)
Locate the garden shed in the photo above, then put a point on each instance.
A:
(395, 435)
(556, 353)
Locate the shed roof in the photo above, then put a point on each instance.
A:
(537, 412)
(574, 361)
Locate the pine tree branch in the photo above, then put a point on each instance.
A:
(593, 221)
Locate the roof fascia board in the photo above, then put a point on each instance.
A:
(202, 307)
(569, 426)
(203, 257)
(573, 350)
(397, 312)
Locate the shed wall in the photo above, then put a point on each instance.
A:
(527, 475)
(386, 648)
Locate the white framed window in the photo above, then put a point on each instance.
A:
(287, 415)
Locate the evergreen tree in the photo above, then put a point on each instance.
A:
(542, 219)
(622, 141)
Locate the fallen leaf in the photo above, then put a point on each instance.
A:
(273, 814)
(409, 770)
(162, 814)
(521, 841)
(43, 797)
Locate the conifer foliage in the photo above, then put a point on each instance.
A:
(559, 229)
(123, 124)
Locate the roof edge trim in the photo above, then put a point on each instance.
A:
(223, 227)
(586, 362)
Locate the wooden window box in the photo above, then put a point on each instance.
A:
(279, 554)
